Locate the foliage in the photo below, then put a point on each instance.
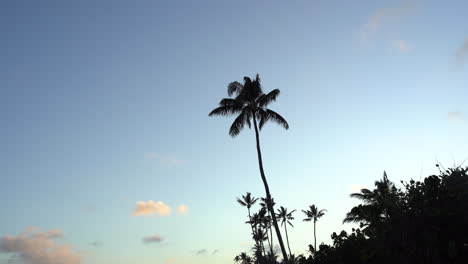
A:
(422, 222)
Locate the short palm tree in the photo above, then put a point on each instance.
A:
(248, 201)
(378, 205)
(250, 104)
(263, 204)
(313, 214)
(286, 217)
(243, 258)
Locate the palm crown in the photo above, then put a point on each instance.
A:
(378, 204)
(249, 101)
(285, 216)
(247, 200)
(313, 213)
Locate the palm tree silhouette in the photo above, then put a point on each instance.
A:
(285, 219)
(268, 221)
(379, 204)
(251, 103)
(259, 236)
(313, 214)
(248, 201)
(257, 221)
(243, 258)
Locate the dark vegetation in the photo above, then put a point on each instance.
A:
(421, 222)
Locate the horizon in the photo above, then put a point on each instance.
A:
(111, 152)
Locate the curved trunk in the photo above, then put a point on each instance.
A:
(287, 239)
(268, 195)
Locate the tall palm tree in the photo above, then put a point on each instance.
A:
(313, 214)
(286, 219)
(248, 201)
(250, 103)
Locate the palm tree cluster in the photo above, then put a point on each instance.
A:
(261, 227)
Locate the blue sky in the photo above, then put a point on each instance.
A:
(106, 104)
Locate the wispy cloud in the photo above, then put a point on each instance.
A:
(201, 252)
(158, 208)
(216, 251)
(402, 46)
(456, 116)
(382, 17)
(36, 247)
(461, 55)
(182, 209)
(163, 158)
(153, 239)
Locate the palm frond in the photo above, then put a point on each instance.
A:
(239, 122)
(321, 213)
(267, 115)
(262, 116)
(230, 102)
(234, 88)
(241, 202)
(225, 110)
(266, 99)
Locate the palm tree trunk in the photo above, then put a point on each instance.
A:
(268, 239)
(267, 191)
(270, 243)
(250, 221)
(287, 239)
(271, 236)
(315, 238)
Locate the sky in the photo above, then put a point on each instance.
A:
(108, 153)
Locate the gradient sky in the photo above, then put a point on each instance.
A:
(105, 103)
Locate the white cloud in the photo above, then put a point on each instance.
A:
(153, 239)
(36, 247)
(461, 55)
(182, 209)
(151, 208)
(163, 158)
(402, 46)
(384, 16)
